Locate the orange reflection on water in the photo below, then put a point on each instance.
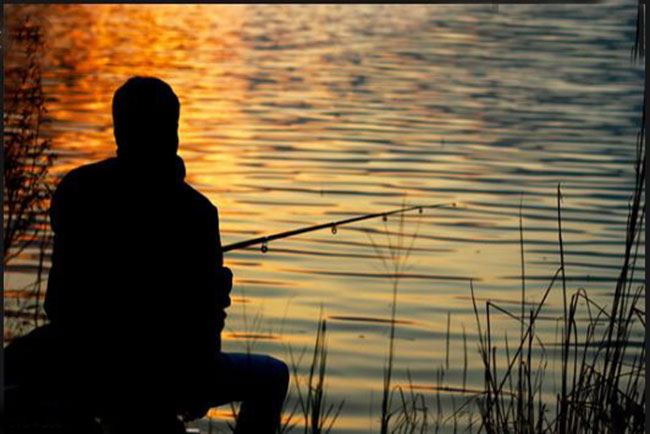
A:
(101, 55)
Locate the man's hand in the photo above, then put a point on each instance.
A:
(224, 288)
(225, 285)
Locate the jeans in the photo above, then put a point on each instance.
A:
(259, 382)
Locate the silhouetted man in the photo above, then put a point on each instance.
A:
(137, 290)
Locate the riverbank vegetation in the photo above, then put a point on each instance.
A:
(602, 358)
(27, 160)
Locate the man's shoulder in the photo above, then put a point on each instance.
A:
(87, 175)
(77, 190)
(198, 200)
(92, 170)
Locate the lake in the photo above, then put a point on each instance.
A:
(293, 115)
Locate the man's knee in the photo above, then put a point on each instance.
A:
(283, 370)
(280, 371)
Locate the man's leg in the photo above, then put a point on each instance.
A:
(259, 382)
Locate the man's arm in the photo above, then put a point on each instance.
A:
(224, 279)
(225, 286)
(62, 220)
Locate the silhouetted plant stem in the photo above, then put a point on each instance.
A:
(566, 332)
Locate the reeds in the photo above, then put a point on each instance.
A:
(638, 49)
(411, 412)
(27, 157)
(602, 385)
(318, 415)
(600, 391)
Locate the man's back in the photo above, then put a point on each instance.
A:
(137, 291)
(134, 283)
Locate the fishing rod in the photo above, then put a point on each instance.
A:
(265, 239)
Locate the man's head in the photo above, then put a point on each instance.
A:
(145, 119)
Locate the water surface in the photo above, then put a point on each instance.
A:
(301, 114)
